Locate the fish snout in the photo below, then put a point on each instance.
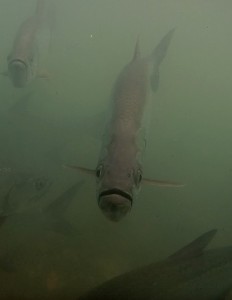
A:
(18, 72)
(115, 204)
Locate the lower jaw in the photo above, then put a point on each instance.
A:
(112, 192)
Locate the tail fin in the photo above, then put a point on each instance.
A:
(39, 10)
(160, 51)
(157, 57)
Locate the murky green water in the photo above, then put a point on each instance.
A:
(189, 141)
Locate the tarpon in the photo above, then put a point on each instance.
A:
(32, 222)
(190, 274)
(50, 217)
(23, 59)
(119, 171)
(25, 190)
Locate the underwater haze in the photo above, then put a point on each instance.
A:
(55, 243)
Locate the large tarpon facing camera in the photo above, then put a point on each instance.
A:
(119, 171)
(23, 59)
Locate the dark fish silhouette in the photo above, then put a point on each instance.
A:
(50, 219)
(24, 192)
(190, 274)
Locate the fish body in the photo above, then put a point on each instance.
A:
(50, 219)
(23, 59)
(191, 273)
(119, 171)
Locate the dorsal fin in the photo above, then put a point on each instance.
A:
(195, 248)
(137, 53)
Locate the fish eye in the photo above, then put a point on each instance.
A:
(99, 171)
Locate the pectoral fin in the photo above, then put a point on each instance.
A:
(162, 183)
(81, 169)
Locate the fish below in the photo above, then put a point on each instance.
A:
(24, 192)
(49, 219)
(189, 274)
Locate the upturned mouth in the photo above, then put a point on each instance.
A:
(17, 63)
(115, 204)
(17, 69)
(116, 192)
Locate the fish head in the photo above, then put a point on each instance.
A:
(116, 189)
(24, 193)
(21, 70)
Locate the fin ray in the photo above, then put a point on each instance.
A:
(162, 183)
